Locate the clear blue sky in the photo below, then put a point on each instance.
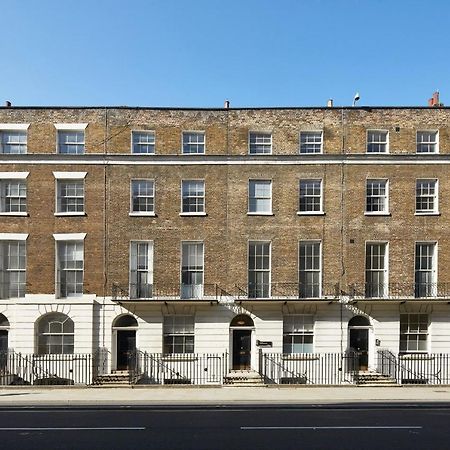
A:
(200, 52)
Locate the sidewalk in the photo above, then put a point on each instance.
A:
(217, 396)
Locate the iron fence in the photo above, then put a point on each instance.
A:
(50, 369)
(274, 291)
(413, 368)
(395, 291)
(309, 368)
(190, 368)
(149, 292)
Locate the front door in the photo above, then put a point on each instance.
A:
(3, 348)
(359, 343)
(241, 349)
(126, 343)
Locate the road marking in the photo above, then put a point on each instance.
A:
(70, 428)
(336, 428)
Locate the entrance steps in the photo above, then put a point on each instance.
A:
(243, 378)
(115, 378)
(374, 379)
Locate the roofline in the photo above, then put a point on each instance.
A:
(262, 108)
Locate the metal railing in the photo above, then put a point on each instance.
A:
(189, 368)
(309, 368)
(148, 292)
(283, 291)
(395, 291)
(415, 368)
(50, 369)
(13, 290)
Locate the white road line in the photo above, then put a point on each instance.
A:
(70, 428)
(336, 428)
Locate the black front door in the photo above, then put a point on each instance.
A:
(241, 349)
(359, 343)
(126, 343)
(3, 348)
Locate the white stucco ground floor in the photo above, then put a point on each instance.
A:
(238, 331)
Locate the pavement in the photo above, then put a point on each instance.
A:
(20, 396)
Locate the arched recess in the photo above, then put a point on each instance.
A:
(4, 330)
(124, 331)
(358, 341)
(241, 332)
(55, 334)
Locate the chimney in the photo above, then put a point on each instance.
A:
(226, 105)
(8, 104)
(330, 103)
(433, 102)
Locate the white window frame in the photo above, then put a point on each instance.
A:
(310, 213)
(429, 143)
(303, 331)
(384, 212)
(413, 333)
(6, 240)
(187, 333)
(71, 128)
(258, 135)
(319, 270)
(249, 198)
(255, 270)
(191, 132)
(45, 318)
(192, 290)
(435, 197)
(193, 213)
(142, 213)
(431, 288)
(386, 143)
(69, 176)
(313, 143)
(135, 289)
(384, 291)
(65, 238)
(11, 128)
(6, 177)
(143, 144)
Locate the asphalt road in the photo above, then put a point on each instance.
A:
(425, 427)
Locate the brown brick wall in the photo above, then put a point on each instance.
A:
(227, 228)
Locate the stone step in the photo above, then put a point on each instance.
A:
(243, 378)
(374, 379)
(112, 379)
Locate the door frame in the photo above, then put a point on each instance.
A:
(370, 342)
(252, 345)
(114, 343)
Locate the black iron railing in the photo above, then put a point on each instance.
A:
(276, 291)
(27, 369)
(415, 368)
(395, 291)
(189, 368)
(149, 292)
(309, 368)
(10, 289)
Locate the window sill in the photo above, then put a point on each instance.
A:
(310, 213)
(68, 214)
(431, 213)
(142, 214)
(21, 214)
(192, 214)
(377, 214)
(260, 214)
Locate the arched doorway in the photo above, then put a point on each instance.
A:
(358, 331)
(124, 336)
(4, 328)
(241, 328)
